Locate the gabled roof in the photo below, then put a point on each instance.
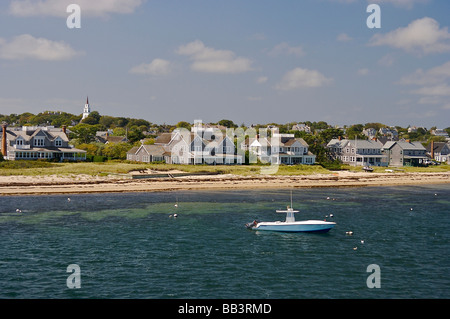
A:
(337, 143)
(438, 146)
(366, 144)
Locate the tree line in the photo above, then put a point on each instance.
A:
(82, 133)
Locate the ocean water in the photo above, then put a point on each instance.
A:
(128, 246)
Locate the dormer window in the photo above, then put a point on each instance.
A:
(58, 142)
(39, 141)
(19, 141)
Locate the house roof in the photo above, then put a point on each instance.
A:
(337, 143)
(366, 144)
(438, 146)
(155, 150)
(133, 150)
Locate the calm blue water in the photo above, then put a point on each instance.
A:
(127, 246)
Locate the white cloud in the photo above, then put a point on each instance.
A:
(400, 3)
(25, 46)
(209, 60)
(386, 60)
(436, 90)
(262, 79)
(285, 49)
(434, 75)
(57, 8)
(302, 78)
(422, 36)
(156, 67)
(433, 84)
(363, 71)
(344, 37)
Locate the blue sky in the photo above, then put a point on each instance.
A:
(251, 61)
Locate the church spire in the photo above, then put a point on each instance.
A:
(87, 109)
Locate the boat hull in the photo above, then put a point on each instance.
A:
(308, 226)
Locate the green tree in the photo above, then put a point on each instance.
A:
(227, 123)
(116, 150)
(355, 131)
(93, 118)
(183, 124)
(85, 132)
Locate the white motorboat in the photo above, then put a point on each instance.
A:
(291, 225)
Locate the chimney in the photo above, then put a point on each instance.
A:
(64, 129)
(339, 137)
(4, 144)
(432, 150)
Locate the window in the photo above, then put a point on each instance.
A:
(39, 141)
(58, 142)
(19, 141)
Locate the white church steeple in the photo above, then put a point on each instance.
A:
(87, 109)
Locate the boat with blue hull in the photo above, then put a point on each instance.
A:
(291, 225)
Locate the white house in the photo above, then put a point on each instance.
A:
(184, 147)
(281, 149)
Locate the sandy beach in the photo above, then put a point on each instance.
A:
(77, 184)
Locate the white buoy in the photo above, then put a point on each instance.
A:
(355, 248)
(362, 241)
(68, 199)
(175, 215)
(331, 215)
(350, 233)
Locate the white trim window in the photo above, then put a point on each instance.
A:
(58, 142)
(39, 141)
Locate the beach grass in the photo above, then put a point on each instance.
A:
(37, 168)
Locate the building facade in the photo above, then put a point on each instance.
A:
(205, 146)
(404, 153)
(280, 149)
(357, 152)
(32, 143)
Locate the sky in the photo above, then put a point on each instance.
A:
(250, 61)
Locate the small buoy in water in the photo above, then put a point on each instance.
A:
(175, 215)
(362, 241)
(170, 216)
(355, 248)
(331, 215)
(176, 205)
(411, 208)
(328, 198)
(68, 199)
(349, 233)
(18, 210)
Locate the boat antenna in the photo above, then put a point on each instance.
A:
(291, 200)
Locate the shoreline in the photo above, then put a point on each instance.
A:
(17, 185)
